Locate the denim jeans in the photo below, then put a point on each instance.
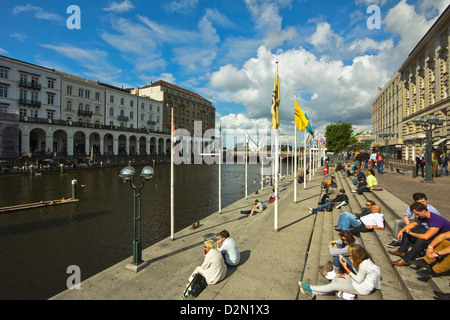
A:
(322, 207)
(442, 169)
(347, 220)
(337, 262)
(363, 189)
(417, 244)
(380, 167)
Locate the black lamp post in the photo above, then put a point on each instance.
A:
(127, 174)
(428, 124)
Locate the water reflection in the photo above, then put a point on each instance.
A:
(38, 245)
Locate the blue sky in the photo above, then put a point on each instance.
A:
(227, 49)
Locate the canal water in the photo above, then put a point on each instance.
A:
(38, 245)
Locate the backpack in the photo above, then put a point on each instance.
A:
(198, 284)
(264, 205)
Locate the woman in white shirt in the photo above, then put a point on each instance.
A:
(364, 282)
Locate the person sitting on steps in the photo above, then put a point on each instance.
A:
(329, 205)
(419, 241)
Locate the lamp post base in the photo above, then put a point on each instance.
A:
(137, 267)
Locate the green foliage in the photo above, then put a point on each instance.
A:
(339, 136)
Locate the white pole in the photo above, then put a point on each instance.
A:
(304, 160)
(276, 181)
(295, 164)
(310, 160)
(245, 155)
(287, 159)
(220, 168)
(172, 222)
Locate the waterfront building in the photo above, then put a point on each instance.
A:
(55, 114)
(420, 88)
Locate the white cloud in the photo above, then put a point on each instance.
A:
(193, 50)
(268, 22)
(240, 121)
(331, 87)
(124, 6)
(95, 61)
(19, 36)
(181, 6)
(39, 13)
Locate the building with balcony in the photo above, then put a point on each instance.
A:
(420, 88)
(57, 114)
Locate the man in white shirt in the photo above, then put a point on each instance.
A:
(213, 267)
(227, 246)
(375, 220)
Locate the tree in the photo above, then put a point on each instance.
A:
(339, 136)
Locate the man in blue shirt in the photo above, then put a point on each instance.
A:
(229, 249)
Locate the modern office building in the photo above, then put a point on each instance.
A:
(419, 89)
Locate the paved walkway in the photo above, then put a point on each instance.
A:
(438, 191)
(271, 261)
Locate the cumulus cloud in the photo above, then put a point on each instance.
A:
(330, 87)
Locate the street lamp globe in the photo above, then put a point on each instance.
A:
(147, 173)
(127, 173)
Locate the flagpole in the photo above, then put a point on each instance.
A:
(276, 181)
(220, 168)
(304, 159)
(295, 158)
(172, 222)
(246, 174)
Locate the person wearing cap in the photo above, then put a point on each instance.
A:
(213, 268)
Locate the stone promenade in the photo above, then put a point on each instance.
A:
(272, 261)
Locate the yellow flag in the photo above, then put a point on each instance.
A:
(276, 103)
(300, 120)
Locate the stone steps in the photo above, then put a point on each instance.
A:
(398, 283)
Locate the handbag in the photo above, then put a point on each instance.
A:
(378, 187)
(325, 268)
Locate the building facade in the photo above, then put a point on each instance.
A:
(57, 114)
(420, 88)
(188, 107)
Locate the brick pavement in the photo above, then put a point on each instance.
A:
(438, 191)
